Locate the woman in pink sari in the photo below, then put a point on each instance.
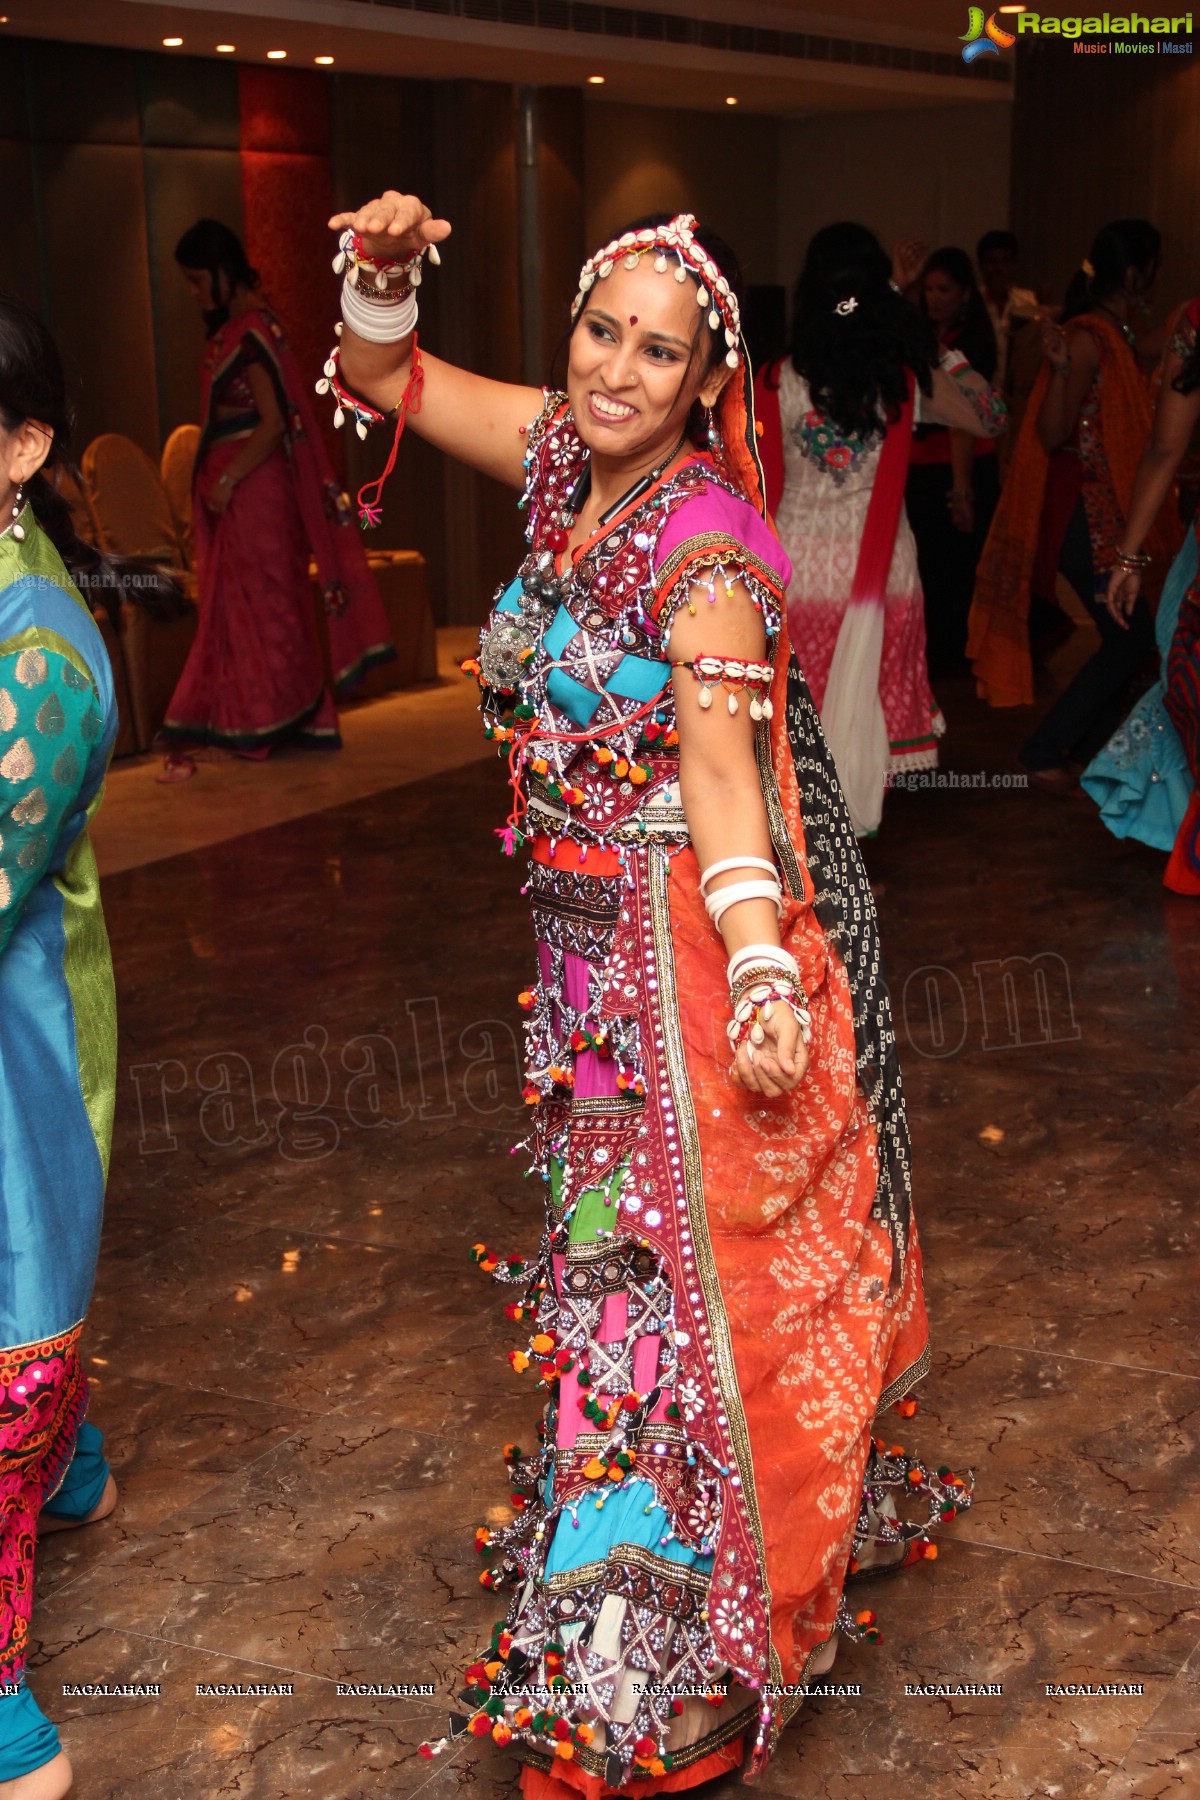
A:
(265, 502)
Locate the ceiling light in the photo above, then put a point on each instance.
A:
(323, 60)
(731, 99)
(276, 55)
(226, 49)
(595, 81)
(172, 43)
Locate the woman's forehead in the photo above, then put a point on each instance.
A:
(657, 302)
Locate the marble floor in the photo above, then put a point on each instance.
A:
(302, 1375)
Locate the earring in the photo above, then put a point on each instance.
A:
(18, 530)
(713, 431)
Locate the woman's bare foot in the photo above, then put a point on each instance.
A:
(822, 1662)
(176, 767)
(47, 1523)
(51, 1782)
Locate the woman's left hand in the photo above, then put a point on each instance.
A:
(962, 510)
(779, 1063)
(219, 494)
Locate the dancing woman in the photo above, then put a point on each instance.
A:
(728, 1288)
(58, 723)
(1152, 781)
(1064, 505)
(265, 501)
(838, 419)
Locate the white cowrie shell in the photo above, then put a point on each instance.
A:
(360, 428)
(435, 256)
(339, 418)
(733, 703)
(339, 262)
(322, 386)
(757, 1035)
(704, 697)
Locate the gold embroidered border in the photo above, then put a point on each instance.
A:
(658, 869)
(896, 1390)
(616, 1106)
(781, 837)
(694, 548)
(660, 1567)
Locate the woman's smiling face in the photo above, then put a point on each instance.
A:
(635, 366)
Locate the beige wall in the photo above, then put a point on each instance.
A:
(941, 174)
(720, 166)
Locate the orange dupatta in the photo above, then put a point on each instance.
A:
(998, 641)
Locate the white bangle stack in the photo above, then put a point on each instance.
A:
(384, 320)
(761, 976)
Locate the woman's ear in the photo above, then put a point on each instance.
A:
(714, 384)
(27, 449)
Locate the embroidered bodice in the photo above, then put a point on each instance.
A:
(574, 659)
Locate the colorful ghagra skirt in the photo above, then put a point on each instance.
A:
(717, 1315)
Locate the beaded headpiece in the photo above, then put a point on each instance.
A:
(676, 240)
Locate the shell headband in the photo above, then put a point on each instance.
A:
(675, 239)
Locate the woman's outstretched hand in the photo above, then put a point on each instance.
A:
(393, 226)
(778, 1064)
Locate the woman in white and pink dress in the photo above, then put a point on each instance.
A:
(838, 417)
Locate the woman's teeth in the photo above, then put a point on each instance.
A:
(612, 409)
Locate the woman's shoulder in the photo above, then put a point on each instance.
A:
(713, 519)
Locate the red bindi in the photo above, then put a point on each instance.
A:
(633, 318)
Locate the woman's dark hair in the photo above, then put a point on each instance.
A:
(32, 387)
(726, 260)
(208, 244)
(857, 362)
(1117, 247)
(997, 240)
(974, 334)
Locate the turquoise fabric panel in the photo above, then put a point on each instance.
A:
(630, 1515)
(570, 696)
(85, 1479)
(27, 1738)
(638, 678)
(510, 599)
(562, 629)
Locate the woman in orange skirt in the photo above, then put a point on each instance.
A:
(728, 1286)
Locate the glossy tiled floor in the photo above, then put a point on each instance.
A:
(302, 1376)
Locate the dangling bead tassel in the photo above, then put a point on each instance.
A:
(18, 530)
(370, 495)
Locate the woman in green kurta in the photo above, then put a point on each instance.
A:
(58, 722)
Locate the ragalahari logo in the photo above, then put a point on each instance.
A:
(983, 37)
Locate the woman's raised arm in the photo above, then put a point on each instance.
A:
(478, 421)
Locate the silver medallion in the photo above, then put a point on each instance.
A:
(500, 657)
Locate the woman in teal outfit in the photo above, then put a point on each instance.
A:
(58, 722)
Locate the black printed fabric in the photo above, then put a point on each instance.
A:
(845, 907)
